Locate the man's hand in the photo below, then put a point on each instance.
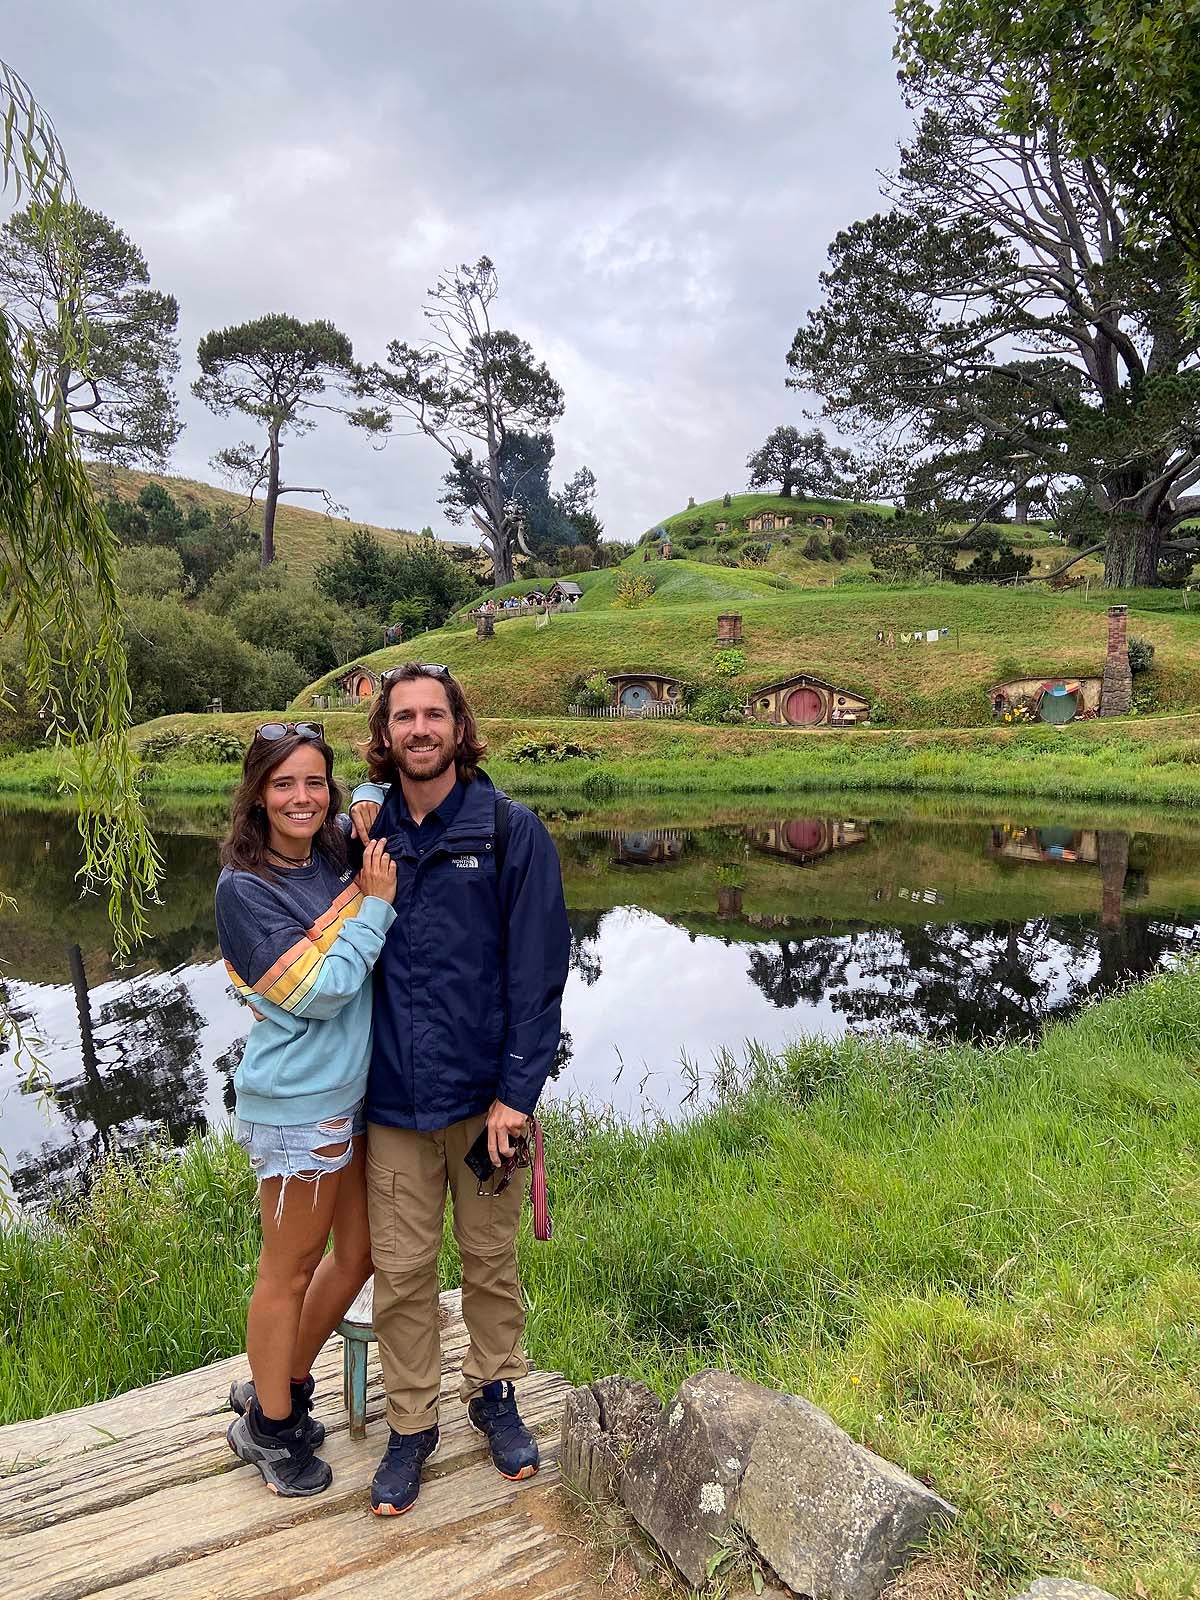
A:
(362, 818)
(503, 1124)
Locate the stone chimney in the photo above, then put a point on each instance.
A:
(691, 502)
(729, 628)
(1116, 692)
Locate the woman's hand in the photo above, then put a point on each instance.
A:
(362, 818)
(378, 876)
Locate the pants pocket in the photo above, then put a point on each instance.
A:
(381, 1212)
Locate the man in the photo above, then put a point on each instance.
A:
(466, 1021)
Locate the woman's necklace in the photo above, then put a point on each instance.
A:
(292, 861)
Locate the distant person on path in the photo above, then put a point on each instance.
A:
(467, 1015)
(300, 936)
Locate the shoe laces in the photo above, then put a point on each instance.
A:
(404, 1449)
(501, 1415)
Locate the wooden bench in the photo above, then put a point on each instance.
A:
(357, 1331)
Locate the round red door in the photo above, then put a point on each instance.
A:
(803, 707)
(804, 835)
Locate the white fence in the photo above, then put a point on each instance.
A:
(652, 708)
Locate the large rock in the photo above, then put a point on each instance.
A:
(1064, 1589)
(682, 1480)
(600, 1428)
(832, 1519)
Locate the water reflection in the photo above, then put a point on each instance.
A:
(685, 938)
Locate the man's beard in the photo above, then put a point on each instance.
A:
(424, 774)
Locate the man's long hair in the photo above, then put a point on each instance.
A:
(470, 749)
(245, 845)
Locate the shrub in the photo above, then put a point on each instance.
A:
(728, 663)
(813, 548)
(838, 548)
(695, 525)
(525, 749)
(204, 747)
(1141, 654)
(726, 543)
(595, 692)
(727, 499)
(713, 703)
(753, 553)
(159, 747)
(634, 589)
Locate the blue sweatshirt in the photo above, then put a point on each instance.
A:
(299, 949)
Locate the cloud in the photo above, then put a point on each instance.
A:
(656, 181)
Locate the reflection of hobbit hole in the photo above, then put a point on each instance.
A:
(648, 847)
(634, 692)
(807, 702)
(805, 839)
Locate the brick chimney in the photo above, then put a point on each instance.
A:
(729, 628)
(1116, 692)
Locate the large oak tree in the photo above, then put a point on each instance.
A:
(1000, 327)
(467, 387)
(800, 463)
(276, 370)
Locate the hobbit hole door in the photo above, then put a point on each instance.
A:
(1059, 705)
(803, 707)
(635, 697)
(804, 835)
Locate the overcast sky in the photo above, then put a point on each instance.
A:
(657, 182)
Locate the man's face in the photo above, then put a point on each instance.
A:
(421, 729)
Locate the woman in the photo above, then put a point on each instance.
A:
(300, 936)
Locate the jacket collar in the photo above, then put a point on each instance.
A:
(475, 818)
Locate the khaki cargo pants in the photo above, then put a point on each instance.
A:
(408, 1175)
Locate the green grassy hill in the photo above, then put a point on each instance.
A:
(994, 634)
(302, 535)
(694, 532)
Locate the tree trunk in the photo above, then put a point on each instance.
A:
(1131, 558)
(1021, 507)
(502, 562)
(786, 487)
(269, 504)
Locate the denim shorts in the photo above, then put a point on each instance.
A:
(292, 1152)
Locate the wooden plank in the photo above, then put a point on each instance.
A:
(195, 1449)
(453, 1518)
(81, 1554)
(190, 1394)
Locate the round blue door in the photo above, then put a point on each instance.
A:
(635, 697)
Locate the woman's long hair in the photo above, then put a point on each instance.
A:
(471, 747)
(245, 845)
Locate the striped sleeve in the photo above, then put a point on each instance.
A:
(310, 972)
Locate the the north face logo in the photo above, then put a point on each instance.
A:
(466, 861)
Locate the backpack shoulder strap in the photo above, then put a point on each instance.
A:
(503, 818)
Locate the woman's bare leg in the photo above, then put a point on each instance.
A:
(343, 1271)
(291, 1252)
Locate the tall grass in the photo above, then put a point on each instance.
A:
(983, 1262)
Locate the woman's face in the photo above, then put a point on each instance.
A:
(296, 799)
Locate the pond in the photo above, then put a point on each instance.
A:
(692, 932)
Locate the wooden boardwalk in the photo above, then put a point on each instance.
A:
(139, 1498)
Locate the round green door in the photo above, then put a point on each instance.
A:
(1059, 705)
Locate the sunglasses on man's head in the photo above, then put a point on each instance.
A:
(270, 731)
(436, 669)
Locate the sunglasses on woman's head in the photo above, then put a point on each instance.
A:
(270, 731)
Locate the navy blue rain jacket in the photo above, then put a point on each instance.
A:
(468, 990)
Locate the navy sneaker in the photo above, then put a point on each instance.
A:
(514, 1449)
(285, 1459)
(242, 1395)
(397, 1480)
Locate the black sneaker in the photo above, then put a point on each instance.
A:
(242, 1394)
(514, 1449)
(397, 1480)
(285, 1459)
